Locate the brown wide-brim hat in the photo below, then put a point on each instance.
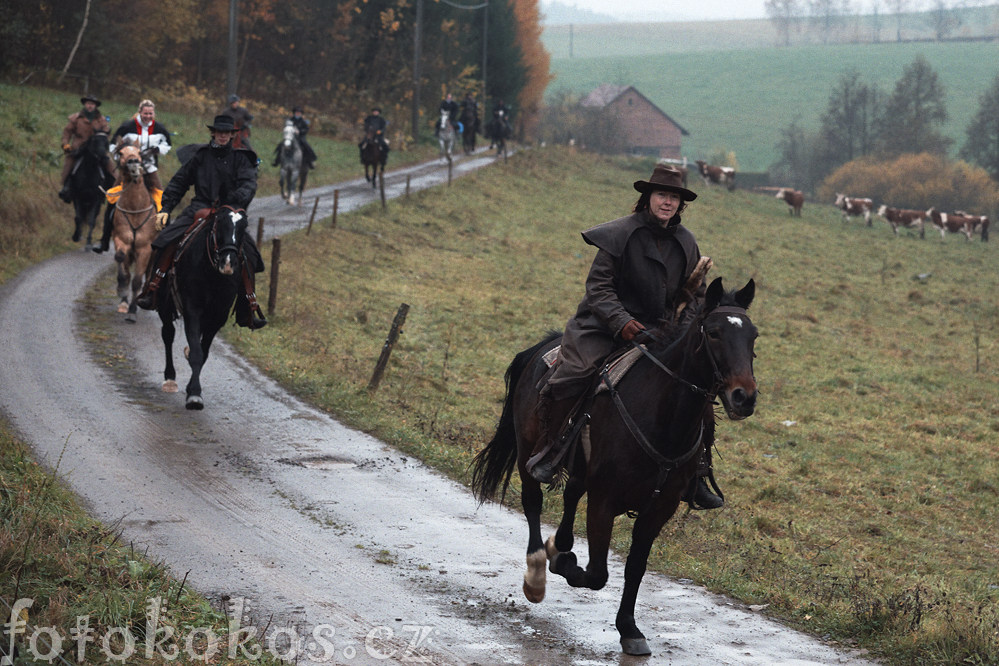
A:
(666, 177)
(90, 98)
(223, 124)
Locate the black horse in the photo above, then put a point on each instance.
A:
(470, 123)
(372, 155)
(639, 451)
(498, 131)
(88, 176)
(202, 287)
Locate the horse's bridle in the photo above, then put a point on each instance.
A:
(665, 463)
(216, 250)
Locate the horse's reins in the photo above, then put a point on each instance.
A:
(665, 463)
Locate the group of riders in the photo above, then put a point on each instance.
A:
(465, 117)
(223, 172)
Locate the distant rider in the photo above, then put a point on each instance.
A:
(302, 125)
(376, 123)
(80, 127)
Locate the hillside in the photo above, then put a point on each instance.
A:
(732, 90)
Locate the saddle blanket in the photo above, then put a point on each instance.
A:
(115, 193)
(618, 368)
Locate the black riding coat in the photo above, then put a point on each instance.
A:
(301, 124)
(224, 175)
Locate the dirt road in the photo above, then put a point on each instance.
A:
(328, 535)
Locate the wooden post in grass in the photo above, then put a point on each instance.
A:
(312, 217)
(260, 231)
(450, 163)
(336, 204)
(408, 176)
(275, 263)
(393, 336)
(381, 188)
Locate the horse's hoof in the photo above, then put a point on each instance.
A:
(635, 646)
(123, 307)
(130, 317)
(194, 402)
(170, 386)
(534, 595)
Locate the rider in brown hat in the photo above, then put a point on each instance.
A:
(219, 174)
(641, 272)
(81, 126)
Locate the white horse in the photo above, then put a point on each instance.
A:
(445, 135)
(290, 159)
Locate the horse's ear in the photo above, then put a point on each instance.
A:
(745, 295)
(714, 294)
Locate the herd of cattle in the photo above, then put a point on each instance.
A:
(957, 222)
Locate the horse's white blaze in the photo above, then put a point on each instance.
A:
(735, 321)
(534, 577)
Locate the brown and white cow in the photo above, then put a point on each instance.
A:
(794, 199)
(959, 222)
(718, 175)
(904, 217)
(854, 206)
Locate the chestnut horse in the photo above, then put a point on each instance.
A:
(134, 229)
(640, 450)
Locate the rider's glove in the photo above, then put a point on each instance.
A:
(630, 330)
(162, 219)
(66, 148)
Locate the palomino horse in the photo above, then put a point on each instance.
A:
(205, 279)
(86, 180)
(445, 136)
(134, 229)
(641, 450)
(373, 156)
(290, 159)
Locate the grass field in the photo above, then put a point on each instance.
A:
(740, 100)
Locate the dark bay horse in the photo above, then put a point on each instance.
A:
(471, 126)
(641, 450)
(134, 229)
(86, 180)
(373, 156)
(498, 131)
(202, 287)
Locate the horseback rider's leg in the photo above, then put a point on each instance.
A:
(699, 495)
(164, 249)
(308, 155)
(555, 406)
(67, 167)
(248, 311)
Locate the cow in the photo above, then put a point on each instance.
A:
(854, 206)
(959, 222)
(718, 175)
(903, 217)
(795, 200)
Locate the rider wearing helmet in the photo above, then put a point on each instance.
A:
(301, 123)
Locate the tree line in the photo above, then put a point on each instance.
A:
(863, 123)
(341, 56)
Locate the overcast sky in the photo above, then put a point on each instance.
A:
(673, 10)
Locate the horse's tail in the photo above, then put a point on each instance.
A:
(494, 464)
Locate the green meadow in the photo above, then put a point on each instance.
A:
(740, 100)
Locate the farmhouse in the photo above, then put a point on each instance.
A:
(646, 128)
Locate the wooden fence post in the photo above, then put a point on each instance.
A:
(275, 264)
(312, 217)
(336, 204)
(381, 188)
(450, 163)
(260, 232)
(408, 176)
(393, 336)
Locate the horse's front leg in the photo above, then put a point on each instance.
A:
(167, 333)
(531, 499)
(560, 544)
(124, 279)
(599, 524)
(643, 534)
(195, 358)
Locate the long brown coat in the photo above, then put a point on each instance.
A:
(637, 274)
(75, 134)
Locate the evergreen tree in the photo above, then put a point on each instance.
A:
(848, 125)
(914, 113)
(982, 144)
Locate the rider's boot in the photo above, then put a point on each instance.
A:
(106, 235)
(699, 495)
(248, 312)
(159, 264)
(65, 193)
(547, 455)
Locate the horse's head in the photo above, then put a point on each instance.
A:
(98, 145)
(728, 337)
(289, 134)
(227, 239)
(130, 162)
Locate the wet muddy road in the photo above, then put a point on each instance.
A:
(320, 532)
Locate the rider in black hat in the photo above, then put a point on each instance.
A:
(647, 267)
(80, 127)
(374, 121)
(219, 174)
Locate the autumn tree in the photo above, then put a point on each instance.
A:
(914, 113)
(982, 143)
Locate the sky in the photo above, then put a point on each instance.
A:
(673, 10)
